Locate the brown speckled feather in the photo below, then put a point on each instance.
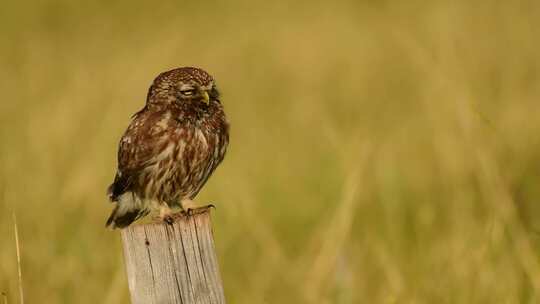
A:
(171, 147)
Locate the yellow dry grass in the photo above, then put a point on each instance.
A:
(382, 151)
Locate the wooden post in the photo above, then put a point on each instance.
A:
(173, 263)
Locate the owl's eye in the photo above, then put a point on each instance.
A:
(187, 92)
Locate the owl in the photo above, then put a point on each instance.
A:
(170, 148)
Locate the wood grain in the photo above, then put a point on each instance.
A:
(173, 263)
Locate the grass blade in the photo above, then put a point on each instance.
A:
(21, 293)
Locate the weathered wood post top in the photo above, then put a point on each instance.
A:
(173, 263)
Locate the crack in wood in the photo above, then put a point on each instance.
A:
(173, 263)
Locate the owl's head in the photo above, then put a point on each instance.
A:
(186, 86)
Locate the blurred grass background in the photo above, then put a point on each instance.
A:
(382, 151)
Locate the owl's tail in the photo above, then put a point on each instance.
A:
(128, 209)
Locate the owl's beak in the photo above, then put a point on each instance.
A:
(205, 97)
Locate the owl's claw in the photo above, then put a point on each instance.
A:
(196, 210)
(169, 219)
(166, 214)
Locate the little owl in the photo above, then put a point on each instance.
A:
(171, 147)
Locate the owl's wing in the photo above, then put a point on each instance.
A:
(137, 150)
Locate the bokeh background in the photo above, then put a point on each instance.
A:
(382, 151)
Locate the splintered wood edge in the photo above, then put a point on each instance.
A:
(177, 217)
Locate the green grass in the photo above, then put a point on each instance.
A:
(381, 152)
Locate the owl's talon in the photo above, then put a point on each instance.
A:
(196, 210)
(168, 219)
